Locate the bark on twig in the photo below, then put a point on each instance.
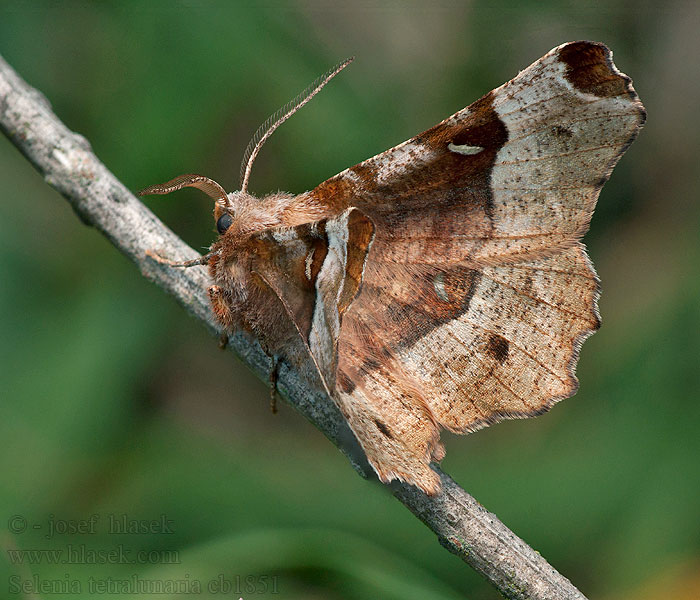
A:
(68, 164)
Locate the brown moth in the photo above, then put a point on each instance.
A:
(442, 283)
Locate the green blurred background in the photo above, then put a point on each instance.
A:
(116, 402)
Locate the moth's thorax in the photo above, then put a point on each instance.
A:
(252, 215)
(247, 299)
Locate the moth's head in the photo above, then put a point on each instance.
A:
(228, 208)
(226, 212)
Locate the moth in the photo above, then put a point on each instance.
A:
(440, 284)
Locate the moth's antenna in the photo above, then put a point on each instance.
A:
(265, 130)
(207, 185)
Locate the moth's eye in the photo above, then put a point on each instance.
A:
(224, 223)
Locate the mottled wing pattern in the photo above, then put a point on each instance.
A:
(512, 354)
(476, 293)
(549, 139)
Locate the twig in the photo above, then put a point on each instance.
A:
(68, 164)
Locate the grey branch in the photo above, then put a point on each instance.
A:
(68, 164)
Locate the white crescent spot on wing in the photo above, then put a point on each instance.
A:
(439, 285)
(464, 149)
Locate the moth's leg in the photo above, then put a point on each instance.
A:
(202, 260)
(221, 309)
(223, 341)
(274, 378)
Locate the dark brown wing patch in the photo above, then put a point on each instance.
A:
(498, 347)
(591, 70)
